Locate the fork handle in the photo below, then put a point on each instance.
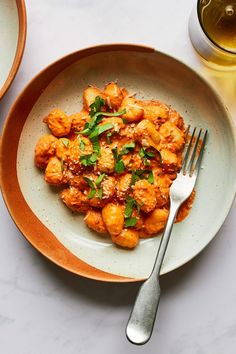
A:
(142, 317)
(174, 207)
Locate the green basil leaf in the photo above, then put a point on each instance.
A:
(129, 145)
(130, 202)
(129, 222)
(127, 148)
(81, 143)
(88, 128)
(91, 185)
(96, 105)
(103, 128)
(86, 131)
(146, 162)
(142, 152)
(90, 182)
(149, 153)
(91, 193)
(93, 158)
(136, 175)
(100, 193)
(96, 145)
(145, 155)
(119, 166)
(88, 160)
(150, 177)
(115, 153)
(97, 117)
(134, 178)
(113, 114)
(142, 174)
(99, 179)
(100, 129)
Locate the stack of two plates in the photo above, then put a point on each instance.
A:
(62, 236)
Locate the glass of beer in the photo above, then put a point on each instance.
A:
(212, 30)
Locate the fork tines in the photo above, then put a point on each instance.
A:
(194, 146)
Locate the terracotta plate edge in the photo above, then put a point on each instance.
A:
(20, 46)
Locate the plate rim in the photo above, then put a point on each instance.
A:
(22, 18)
(88, 271)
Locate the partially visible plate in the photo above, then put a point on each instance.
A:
(12, 40)
(61, 235)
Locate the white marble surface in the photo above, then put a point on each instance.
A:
(44, 309)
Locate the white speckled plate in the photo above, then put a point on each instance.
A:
(12, 40)
(151, 75)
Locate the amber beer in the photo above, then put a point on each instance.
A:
(218, 19)
(212, 30)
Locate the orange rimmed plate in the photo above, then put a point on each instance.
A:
(12, 40)
(61, 235)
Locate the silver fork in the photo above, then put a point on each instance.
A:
(142, 317)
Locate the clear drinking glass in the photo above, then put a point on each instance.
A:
(212, 30)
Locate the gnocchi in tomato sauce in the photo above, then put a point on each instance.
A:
(115, 161)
